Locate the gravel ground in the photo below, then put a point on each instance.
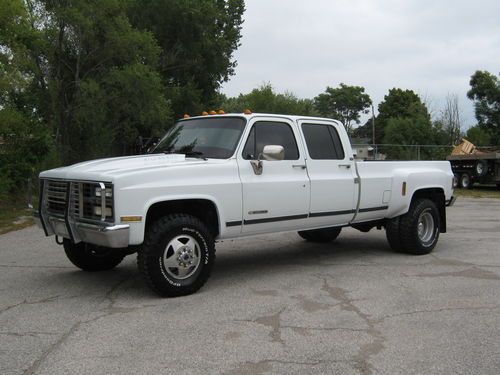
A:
(274, 304)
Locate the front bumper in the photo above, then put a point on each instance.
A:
(115, 236)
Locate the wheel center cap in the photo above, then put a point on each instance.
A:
(185, 257)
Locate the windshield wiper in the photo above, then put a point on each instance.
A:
(195, 154)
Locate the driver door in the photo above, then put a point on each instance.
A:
(279, 197)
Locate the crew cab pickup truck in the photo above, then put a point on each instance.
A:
(234, 175)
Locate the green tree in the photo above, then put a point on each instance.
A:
(265, 100)
(485, 92)
(197, 40)
(345, 103)
(24, 139)
(94, 55)
(398, 103)
(479, 136)
(412, 130)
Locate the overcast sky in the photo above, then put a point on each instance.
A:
(431, 47)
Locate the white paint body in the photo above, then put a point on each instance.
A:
(285, 189)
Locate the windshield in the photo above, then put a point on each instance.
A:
(203, 137)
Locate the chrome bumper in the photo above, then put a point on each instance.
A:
(114, 236)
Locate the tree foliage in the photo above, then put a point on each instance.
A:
(265, 100)
(344, 103)
(197, 39)
(485, 92)
(88, 77)
(479, 136)
(398, 103)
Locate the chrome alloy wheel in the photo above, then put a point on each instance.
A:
(182, 257)
(425, 227)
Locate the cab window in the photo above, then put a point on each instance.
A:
(265, 133)
(323, 142)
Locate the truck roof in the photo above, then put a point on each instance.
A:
(253, 115)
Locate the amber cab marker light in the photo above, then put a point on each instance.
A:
(186, 115)
(204, 113)
(247, 112)
(212, 113)
(221, 112)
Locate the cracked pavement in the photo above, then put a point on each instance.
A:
(275, 304)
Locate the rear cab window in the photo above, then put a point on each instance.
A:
(323, 142)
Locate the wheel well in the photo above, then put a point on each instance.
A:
(437, 196)
(203, 209)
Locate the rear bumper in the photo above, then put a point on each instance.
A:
(115, 236)
(451, 202)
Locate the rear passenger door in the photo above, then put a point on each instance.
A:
(331, 171)
(277, 199)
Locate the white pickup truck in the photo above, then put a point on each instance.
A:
(234, 175)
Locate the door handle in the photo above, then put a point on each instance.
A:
(345, 166)
(302, 166)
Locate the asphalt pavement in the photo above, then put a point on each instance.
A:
(275, 304)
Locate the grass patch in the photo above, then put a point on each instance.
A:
(15, 215)
(479, 191)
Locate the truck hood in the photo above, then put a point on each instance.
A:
(111, 168)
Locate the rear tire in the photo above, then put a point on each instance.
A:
(419, 228)
(320, 235)
(177, 256)
(392, 233)
(92, 258)
(465, 181)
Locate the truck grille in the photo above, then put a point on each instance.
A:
(84, 203)
(56, 197)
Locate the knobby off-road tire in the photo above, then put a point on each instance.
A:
(91, 257)
(320, 235)
(177, 256)
(417, 231)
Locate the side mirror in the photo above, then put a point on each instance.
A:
(269, 153)
(273, 153)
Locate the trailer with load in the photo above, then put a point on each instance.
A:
(472, 165)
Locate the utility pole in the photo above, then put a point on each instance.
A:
(373, 130)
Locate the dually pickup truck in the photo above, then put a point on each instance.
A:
(233, 175)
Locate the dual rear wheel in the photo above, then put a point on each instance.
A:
(417, 231)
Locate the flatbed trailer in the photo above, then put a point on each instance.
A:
(483, 168)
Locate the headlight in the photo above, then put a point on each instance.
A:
(108, 192)
(98, 211)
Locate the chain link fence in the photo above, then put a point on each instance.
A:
(401, 152)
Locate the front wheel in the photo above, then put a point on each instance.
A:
(418, 228)
(177, 255)
(92, 258)
(320, 235)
